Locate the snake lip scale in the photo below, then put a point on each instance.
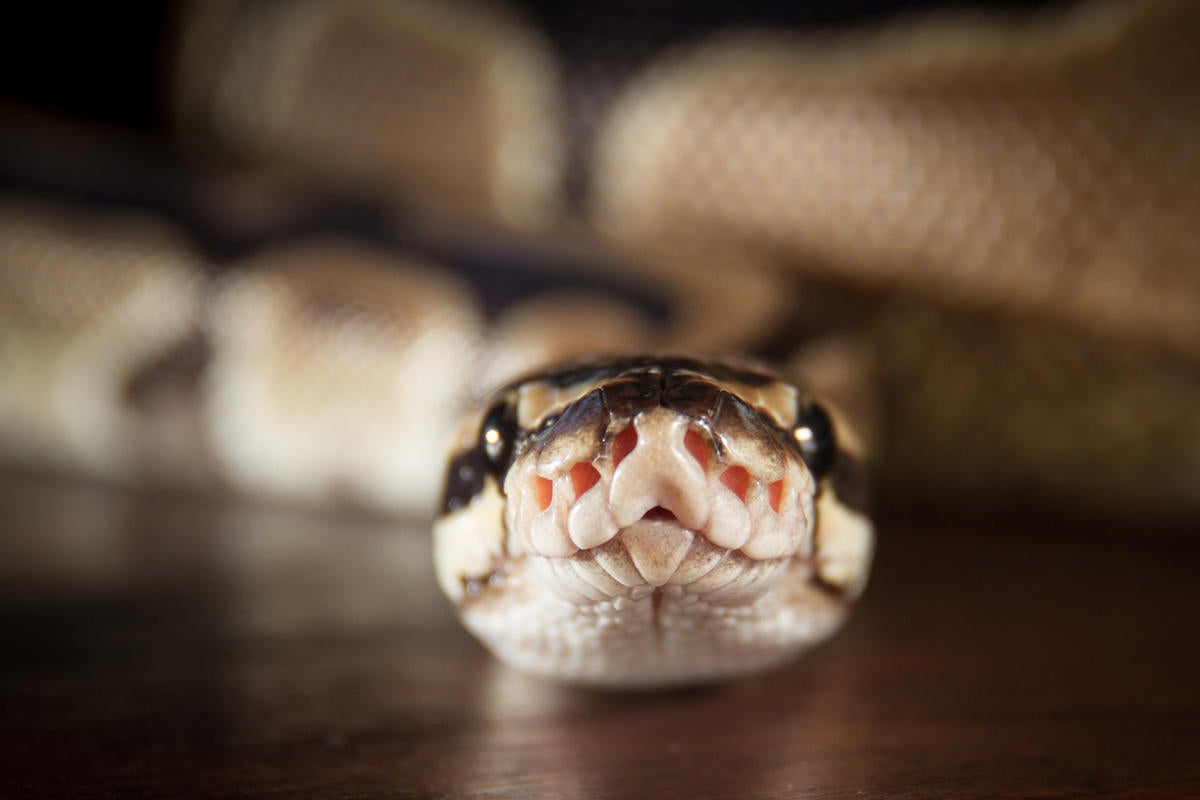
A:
(648, 521)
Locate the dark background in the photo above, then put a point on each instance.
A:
(103, 62)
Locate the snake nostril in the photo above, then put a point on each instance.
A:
(737, 480)
(697, 446)
(583, 477)
(775, 494)
(623, 444)
(543, 491)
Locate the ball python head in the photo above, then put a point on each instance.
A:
(649, 521)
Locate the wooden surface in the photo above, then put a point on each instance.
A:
(175, 648)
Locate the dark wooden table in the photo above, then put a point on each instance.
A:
(158, 647)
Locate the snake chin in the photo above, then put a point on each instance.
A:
(656, 605)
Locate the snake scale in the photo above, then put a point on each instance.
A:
(967, 241)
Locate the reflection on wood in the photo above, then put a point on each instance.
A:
(171, 647)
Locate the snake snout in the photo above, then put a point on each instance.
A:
(659, 476)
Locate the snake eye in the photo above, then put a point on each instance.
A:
(497, 436)
(467, 471)
(813, 432)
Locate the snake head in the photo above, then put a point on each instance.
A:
(653, 494)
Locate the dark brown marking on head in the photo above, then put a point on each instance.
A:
(465, 475)
(690, 395)
(492, 454)
(851, 484)
(586, 413)
(581, 425)
(608, 369)
(733, 373)
(692, 387)
(814, 438)
(739, 430)
(630, 394)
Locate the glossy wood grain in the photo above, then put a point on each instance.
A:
(157, 647)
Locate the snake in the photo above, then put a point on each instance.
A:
(650, 521)
(738, 269)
